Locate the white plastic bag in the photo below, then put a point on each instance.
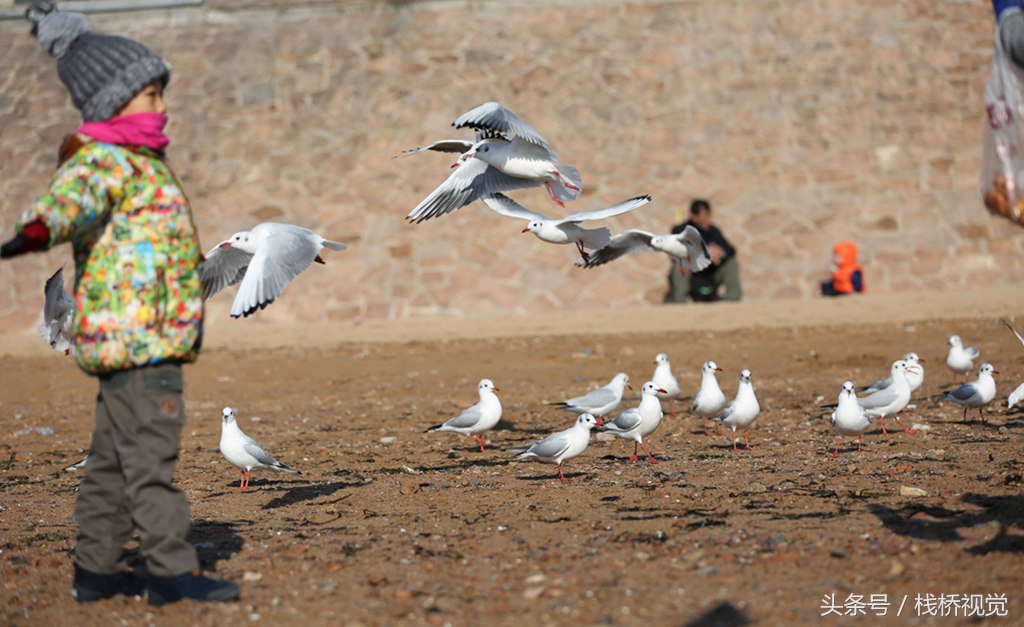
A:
(1002, 170)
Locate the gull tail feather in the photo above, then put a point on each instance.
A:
(596, 238)
(334, 245)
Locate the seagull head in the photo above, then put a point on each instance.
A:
(745, 376)
(533, 226)
(239, 240)
(486, 385)
(710, 366)
(228, 415)
(623, 378)
(658, 242)
(587, 421)
(912, 358)
(954, 340)
(662, 358)
(848, 388)
(988, 369)
(651, 388)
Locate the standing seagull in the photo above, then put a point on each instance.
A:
(476, 419)
(495, 164)
(849, 418)
(742, 411)
(243, 452)
(565, 230)
(976, 393)
(891, 400)
(562, 446)
(664, 379)
(58, 314)
(710, 400)
(686, 248)
(960, 359)
(915, 376)
(637, 422)
(265, 260)
(600, 401)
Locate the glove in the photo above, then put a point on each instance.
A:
(33, 236)
(1002, 6)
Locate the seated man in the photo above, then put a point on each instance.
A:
(724, 269)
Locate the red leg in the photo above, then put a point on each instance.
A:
(734, 439)
(881, 421)
(479, 441)
(859, 438)
(649, 456)
(836, 452)
(745, 441)
(561, 477)
(905, 429)
(551, 192)
(634, 458)
(241, 482)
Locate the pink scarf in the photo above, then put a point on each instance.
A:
(137, 129)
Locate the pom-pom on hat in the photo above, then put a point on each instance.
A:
(102, 72)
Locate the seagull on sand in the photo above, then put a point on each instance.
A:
(600, 401)
(244, 452)
(663, 377)
(742, 411)
(977, 393)
(264, 260)
(495, 164)
(478, 418)
(565, 230)
(960, 359)
(58, 314)
(640, 421)
(686, 248)
(849, 418)
(710, 400)
(891, 400)
(915, 376)
(562, 446)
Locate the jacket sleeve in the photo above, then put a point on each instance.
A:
(719, 239)
(80, 198)
(1011, 34)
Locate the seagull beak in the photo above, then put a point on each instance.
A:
(497, 389)
(655, 362)
(526, 230)
(718, 370)
(920, 360)
(663, 391)
(455, 165)
(995, 372)
(225, 244)
(629, 387)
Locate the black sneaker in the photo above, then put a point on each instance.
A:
(89, 586)
(193, 585)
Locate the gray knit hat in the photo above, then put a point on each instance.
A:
(102, 72)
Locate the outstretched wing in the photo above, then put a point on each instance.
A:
(500, 203)
(494, 117)
(622, 244)
(279, 259)
(443, 145)
(471, 180)
(607, 212)
(690, 237)
(224, 265)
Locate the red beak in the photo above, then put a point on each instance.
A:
(718, 370)
(225, 244)
(496, 389)
(526, 230)
(455, 165)
(663, 391)
(629, 386)
(920, 360)
(995, 372)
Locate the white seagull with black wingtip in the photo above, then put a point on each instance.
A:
(686, 248)
(476, 419)
(264, 260)
(562, 446)
(244, 452)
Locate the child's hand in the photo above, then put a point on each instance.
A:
(34, 236)
(13, 247)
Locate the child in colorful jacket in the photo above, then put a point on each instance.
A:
(139, 310)
(847, 275)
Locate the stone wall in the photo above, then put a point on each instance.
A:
(804, 121)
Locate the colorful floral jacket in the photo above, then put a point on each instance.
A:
(137, 282)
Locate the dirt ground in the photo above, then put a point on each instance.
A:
(389, 525)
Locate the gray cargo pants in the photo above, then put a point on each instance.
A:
(129, 474)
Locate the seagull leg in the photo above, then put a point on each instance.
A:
(859, 439)
(319, 260)
(981, 412)
(745, 440)
(881, 421)
(835, 453)
(479, 441)
(649, 456)
(905, 429)
(634, 458)
(551, 192)
(561, 477)
(241, 482)
(583, 254)
(735, 439)
(965, 415)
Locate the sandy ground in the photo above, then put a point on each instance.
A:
(389, 525)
